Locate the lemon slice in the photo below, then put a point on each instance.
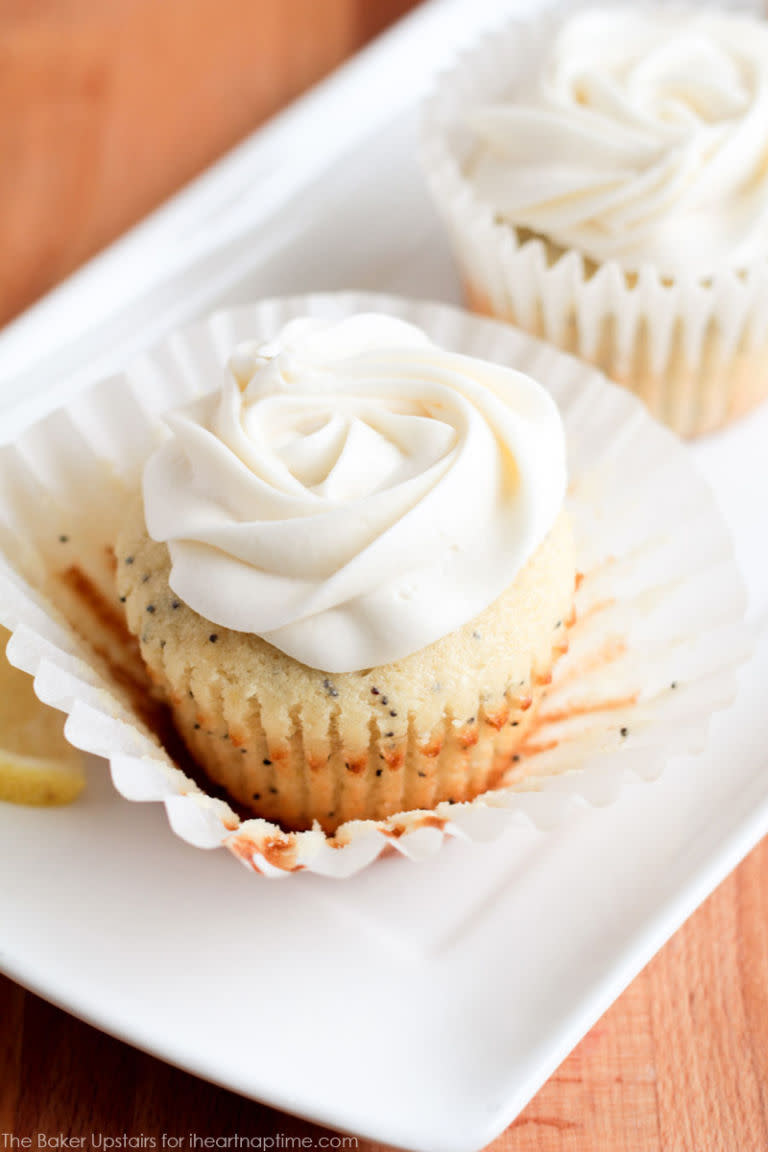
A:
(37, 765)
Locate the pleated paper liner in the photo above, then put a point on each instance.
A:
(695, 351)
(655, 646)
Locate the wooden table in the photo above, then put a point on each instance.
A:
(107, 106)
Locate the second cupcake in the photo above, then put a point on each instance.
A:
(604, 175)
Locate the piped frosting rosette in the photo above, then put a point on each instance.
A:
(603, 175)
(354, 493)
(655, 647)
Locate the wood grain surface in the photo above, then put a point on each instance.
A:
(106, 107)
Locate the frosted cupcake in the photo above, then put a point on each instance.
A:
(604, 175)
(350, 572)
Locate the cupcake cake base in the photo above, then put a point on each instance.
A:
(296, 745)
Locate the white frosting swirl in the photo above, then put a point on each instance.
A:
(353, 492)
(644, 139)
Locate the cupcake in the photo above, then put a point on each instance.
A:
(604, 176)
(655, 642)
(350, 571)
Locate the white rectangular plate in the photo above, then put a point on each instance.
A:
(420, 1005)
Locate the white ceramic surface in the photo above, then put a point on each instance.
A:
(392, 1011)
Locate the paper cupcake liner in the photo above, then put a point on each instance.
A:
(654, 649)
(695, 351)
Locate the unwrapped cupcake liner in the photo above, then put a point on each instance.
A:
(696, 351)
(655, 644)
